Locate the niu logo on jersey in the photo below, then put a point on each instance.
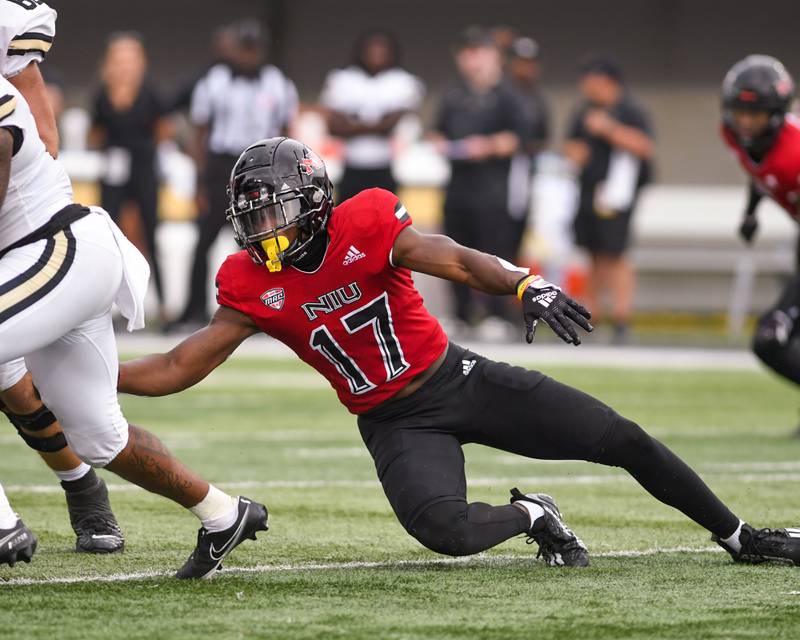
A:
(353, 254)
(274, 298)
(332, 301)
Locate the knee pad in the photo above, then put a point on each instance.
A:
(36, 421)
(441, 527)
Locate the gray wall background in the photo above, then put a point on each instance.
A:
(675, 52)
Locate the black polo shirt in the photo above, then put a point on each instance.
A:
(626, 112)
(135, 128)
(464, 113)
(537, 117)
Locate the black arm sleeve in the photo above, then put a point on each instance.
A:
(754, 197)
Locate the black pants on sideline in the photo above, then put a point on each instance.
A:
(416, 445)
(142, 190)
(355, 180)
(492, 231)
(209, 224)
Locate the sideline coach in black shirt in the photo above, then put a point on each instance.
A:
(479, 128)
(610, 139)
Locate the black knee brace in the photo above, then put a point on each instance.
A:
(36, 421)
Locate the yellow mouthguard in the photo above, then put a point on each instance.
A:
(273, 246)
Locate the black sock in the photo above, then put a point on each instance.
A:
(86, 482)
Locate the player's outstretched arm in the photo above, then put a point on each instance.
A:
(160, 374)
(442, 257)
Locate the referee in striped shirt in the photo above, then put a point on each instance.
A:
(234, 103)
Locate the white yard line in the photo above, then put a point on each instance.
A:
(583, 479)
(476, 560)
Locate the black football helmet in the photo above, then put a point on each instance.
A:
(277, 183)
(758, 83)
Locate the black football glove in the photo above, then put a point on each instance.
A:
(542, 300)
(748, 228)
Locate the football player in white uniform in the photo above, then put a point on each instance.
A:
(27, 30)
(62, 266)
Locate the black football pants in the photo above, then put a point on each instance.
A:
(777, 337)
(416, 445)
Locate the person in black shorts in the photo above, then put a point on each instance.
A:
(610, 139)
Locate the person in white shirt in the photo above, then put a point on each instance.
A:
(364, 103)
(62, 266)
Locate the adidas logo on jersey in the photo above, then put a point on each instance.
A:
(466, 366)
(546, 299)
(353, 254)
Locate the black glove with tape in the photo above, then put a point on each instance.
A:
(544, 301)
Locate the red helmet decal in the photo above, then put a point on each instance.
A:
(306, 165)
(748, 96)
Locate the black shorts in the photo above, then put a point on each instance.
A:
(605, 235)
(416, 441)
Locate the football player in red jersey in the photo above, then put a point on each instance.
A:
(756, 96)
(334, 284)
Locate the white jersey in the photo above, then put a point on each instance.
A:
(27, 29)
(38, 186)
(368, 99)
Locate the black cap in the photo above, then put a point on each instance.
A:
(474, 37)
(602, 65)
(525, 49)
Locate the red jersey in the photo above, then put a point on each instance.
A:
(357, 319)
(778, 174)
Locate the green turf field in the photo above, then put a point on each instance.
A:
(336, 564)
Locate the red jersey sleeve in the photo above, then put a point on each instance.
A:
(226, 293)
(391, 217)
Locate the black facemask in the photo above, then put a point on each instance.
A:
(311, 257)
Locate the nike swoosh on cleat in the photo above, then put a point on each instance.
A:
(212, 551)
(104, 536)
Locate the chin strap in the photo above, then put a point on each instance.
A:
(273, 247)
